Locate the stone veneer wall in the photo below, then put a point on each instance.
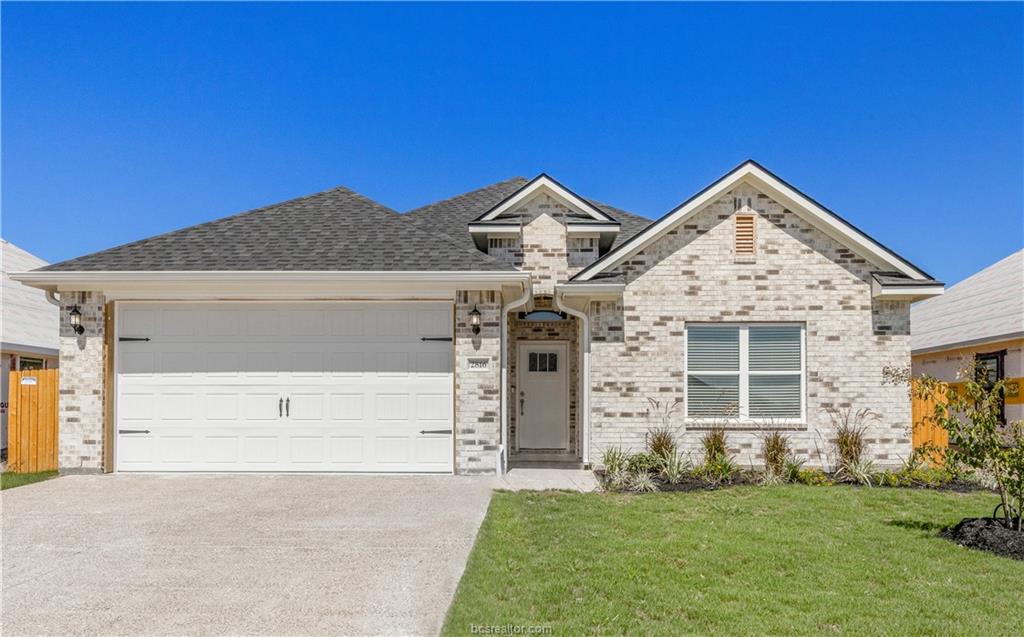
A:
(81, 385)
(799, 274)
(477, 393)
(543, 331)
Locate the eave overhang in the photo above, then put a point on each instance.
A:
(284, 285)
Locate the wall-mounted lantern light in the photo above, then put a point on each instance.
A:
(75, 319)
(474, 320)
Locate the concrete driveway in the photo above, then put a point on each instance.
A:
(236, 554)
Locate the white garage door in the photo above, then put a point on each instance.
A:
(284, 387)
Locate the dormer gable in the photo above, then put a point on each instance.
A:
(581, 218)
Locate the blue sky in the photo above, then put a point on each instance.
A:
(123, 121)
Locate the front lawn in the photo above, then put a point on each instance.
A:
(10, 480)
(746, 560)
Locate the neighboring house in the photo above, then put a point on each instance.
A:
(519, 322)
(979, 319)
(28, 334)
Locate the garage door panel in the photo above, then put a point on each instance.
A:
(348, 450)
(359, 382)
(261, 449)
(176, 449)
(176, 406)
(306, 406)
(263, 406)
(219, 449)
(137, 362)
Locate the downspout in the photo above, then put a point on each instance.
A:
(52, 298)
(584, 363)
(503, 393)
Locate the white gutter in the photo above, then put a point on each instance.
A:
(584, 363)
(503, 392)
(52, 298)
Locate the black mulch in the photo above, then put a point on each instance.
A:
(987, 534)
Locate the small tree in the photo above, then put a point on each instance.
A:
(978, 440)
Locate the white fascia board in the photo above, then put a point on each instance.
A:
(905, 292)
(592, 228)
(555, 188)
(271, 284)
(777, 190)
(494, 228)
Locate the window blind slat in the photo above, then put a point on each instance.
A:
(713, 348)
(775, 348)
(713, 396)
(775, 396)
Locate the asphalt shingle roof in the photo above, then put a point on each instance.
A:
(336, 229)
(452, 216)
(987, 305)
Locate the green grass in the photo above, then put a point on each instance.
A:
(10, 480)
(741, 561)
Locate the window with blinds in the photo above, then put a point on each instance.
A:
(745, 372)
(745, 241)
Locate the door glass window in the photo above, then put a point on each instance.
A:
(543, 362)
(25, 364)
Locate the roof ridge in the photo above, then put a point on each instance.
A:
(463, 194)
(338, 188)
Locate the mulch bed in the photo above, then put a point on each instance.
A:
(987, 534)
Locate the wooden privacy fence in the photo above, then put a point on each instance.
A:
(32, 421)
(922, 411)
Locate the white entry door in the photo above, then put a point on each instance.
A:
(543, 401)
(284, 387)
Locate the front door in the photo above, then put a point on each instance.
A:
(543, 399)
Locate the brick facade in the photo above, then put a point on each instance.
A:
(477, 391)
(81, 385)
(798, 274)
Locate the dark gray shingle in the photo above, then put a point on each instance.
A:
(336, 229)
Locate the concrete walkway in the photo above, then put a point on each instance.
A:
(523, 479)
(236, 554)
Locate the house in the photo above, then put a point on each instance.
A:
(29, 337)
(980, 319)
(517, 323)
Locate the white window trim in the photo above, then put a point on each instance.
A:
(744, 376)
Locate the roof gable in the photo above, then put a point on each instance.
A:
(545, 183)
(765, 181)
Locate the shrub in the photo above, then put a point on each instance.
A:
(614, 459)
(775, 448)
(717, 470)
(642, 483)
(661, 442)
(792, 469)
(674, 468)
(858, 472)
(977, 438)
(715, 444)
(851, 427)
(813, 477)
(643, 463)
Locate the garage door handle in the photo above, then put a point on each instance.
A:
(436, 338)
(435, 431)
(288, 406)
(133, 431)
(125, 339)
(280, 407)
